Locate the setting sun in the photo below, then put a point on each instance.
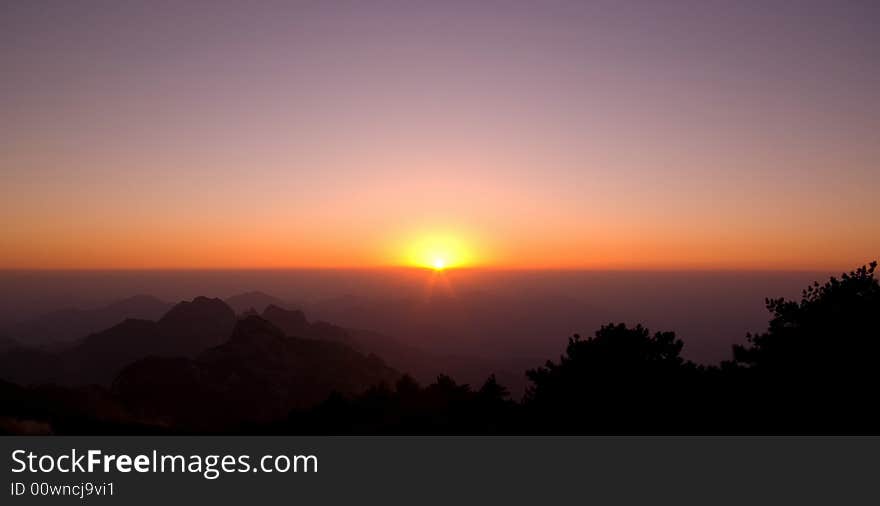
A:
(438, 252)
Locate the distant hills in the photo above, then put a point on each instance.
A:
(185, 329)
(199, 365)
(209, 364)
(62, 326)
(259, 374)
(256, 301)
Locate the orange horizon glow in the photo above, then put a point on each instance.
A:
(482, 227)
(446, 248)
(240, 256)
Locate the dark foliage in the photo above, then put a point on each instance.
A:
(443, 407)
(615, 381)
(832, 333)
(816, 367)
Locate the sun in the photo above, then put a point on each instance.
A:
(438, 252)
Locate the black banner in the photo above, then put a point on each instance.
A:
(453, 470)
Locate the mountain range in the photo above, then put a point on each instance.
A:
(203, 367)
(58, 328)
(259, 374)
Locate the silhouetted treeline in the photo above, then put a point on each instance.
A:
(813, 370)
(408, 408)
(816, 366)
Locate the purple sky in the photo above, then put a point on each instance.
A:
(538, 134)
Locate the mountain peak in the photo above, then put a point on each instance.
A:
(254, 327)
(253, 300)
(199, 308)
(198, 324)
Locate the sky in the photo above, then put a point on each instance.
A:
(597, 135)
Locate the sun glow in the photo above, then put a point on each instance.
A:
(438, 253)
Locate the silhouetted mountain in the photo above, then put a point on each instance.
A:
(293, 323)
(100, 356)
(70, 324)
(503, 314)
(258, 301)
(188, 328)
(258, 375)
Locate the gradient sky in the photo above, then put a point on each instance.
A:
(616, 134)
